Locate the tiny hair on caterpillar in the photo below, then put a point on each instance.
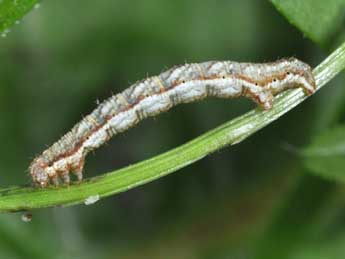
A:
(187, 83)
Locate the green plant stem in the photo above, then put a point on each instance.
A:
(230, 133)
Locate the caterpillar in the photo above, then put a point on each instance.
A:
(154, 95)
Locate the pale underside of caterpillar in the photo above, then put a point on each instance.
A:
(151, 96)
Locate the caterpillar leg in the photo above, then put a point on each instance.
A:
(262, 96)
(79, 175)
(307, 89)
(65, 177)
(54, 179)
(78, 170)
(265, 100)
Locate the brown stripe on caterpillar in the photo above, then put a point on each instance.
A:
(153, 95)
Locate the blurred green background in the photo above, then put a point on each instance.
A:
(253, 200)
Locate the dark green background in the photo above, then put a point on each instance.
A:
(253, 200)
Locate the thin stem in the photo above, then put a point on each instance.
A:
(230, 133)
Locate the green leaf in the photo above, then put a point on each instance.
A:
(322, 21)
(326, 154)
(11, 11)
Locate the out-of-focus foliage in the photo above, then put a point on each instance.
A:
(322, 21)
(325, 155)
(253, 200)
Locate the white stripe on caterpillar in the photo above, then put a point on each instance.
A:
(149, 97)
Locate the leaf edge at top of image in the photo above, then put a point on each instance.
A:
(12, 11)
(27, 198)
(321, 21)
